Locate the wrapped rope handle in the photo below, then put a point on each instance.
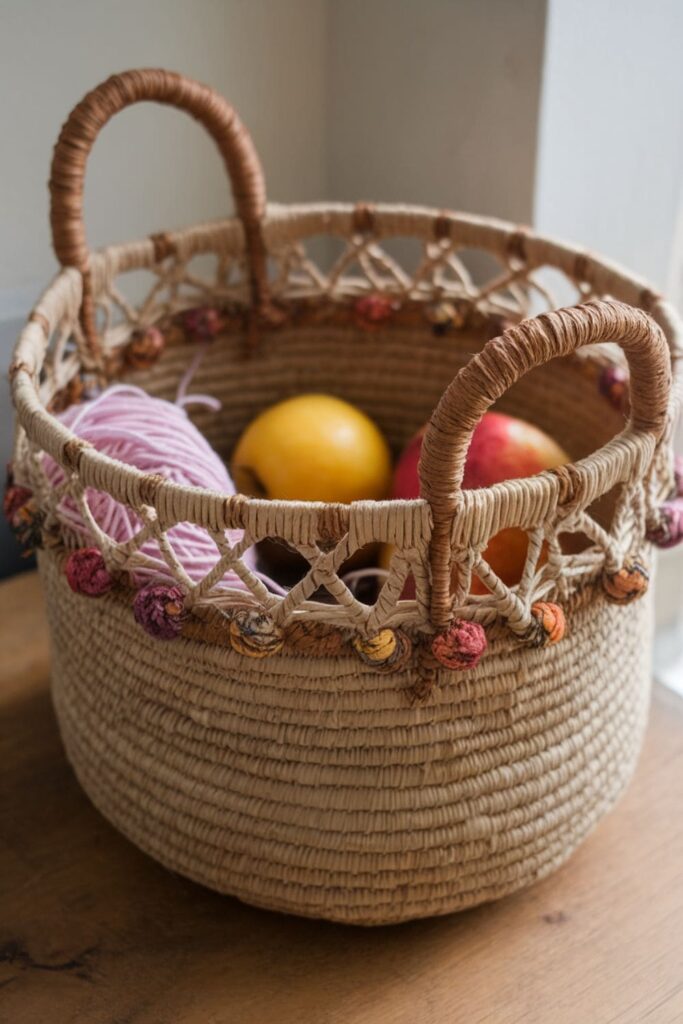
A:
(76, 140)
(500, 364)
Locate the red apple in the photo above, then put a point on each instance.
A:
(502, 448)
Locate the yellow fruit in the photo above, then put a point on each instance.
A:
(313, 448)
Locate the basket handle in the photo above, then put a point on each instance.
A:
(76, 140)
(499, 365)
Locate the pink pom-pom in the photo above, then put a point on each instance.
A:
(613, 384)
(678, 475)
(24, 517)
(15, 498)
(86, 572)
(372, 310)
(667, 532)
(460, 646)
(203, 323)
(160, 610)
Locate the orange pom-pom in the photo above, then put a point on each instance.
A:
(549, 624)
(144, 348)
(627, 584)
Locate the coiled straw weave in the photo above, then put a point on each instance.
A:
(308, 781)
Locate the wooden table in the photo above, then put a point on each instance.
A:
(93, 931)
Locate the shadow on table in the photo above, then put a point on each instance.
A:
(93, 926)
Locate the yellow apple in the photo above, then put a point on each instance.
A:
(313, 448)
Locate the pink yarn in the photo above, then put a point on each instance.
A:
(155, 436)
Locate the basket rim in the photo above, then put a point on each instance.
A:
(286, 223)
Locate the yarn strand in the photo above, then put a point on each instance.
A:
(156, 437)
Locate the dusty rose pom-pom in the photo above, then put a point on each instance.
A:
(86, 572)
(25, 518)
(667, 532)
(204, 323)
(613, 385)
(15, 498)
(160, 610)
(460, 646)
(373, 310)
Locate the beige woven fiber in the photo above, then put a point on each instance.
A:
(328, 794)
(310, 779)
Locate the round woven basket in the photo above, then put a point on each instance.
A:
(320, 752)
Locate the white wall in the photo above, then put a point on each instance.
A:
(152, 168)
(610, 173)
(435, 102)
(610, 162)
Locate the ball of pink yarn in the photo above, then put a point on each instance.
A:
(86, 572)
(156, 437)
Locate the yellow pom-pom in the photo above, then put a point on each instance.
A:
(442, 316)
(627, 584)
(254, 634)
(388, 651)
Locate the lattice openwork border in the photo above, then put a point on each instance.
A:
(443, 290)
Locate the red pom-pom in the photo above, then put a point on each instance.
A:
(86, 572)
(203, 323)
(460, 646)
(372, 310)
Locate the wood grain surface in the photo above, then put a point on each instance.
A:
(92, 931)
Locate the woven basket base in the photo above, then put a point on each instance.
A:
(327, 794)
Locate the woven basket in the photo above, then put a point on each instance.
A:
(318, 753)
